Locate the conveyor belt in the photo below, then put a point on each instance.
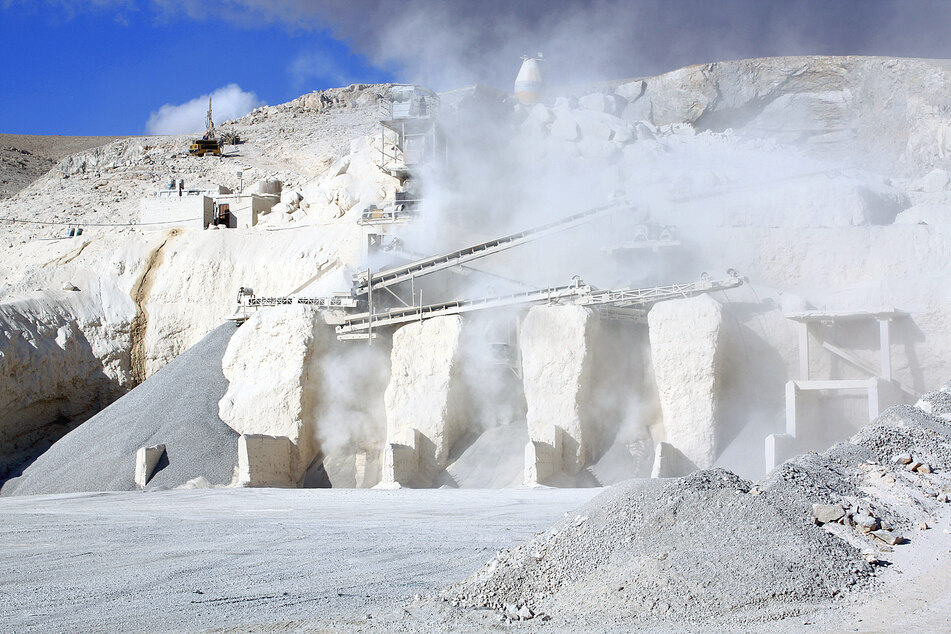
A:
(436, 263)
(578, 294)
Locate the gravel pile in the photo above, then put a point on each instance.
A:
(177, 407)
(713, 548)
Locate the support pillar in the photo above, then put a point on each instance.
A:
(884, 335)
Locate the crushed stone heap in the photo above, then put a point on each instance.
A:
(177, 407)
(712, 548)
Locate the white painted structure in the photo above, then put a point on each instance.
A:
(878, 387)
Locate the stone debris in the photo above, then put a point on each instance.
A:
(904, 458)
(644, 555)
(887, 536)
(865, 523)
(825, 513)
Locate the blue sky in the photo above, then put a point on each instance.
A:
(90, 74)
(103, 67)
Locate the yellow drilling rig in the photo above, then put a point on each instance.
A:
(209, 143)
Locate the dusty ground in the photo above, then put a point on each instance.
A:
(26, 157)
(336, 560)
(192, 560)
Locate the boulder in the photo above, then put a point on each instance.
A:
(685, 338)
(565, 128)
(556, 344)
(601, 102)
(272, 365)
(826, 513)
(425, 398)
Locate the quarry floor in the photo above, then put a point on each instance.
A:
(276, 560)
(207, 558)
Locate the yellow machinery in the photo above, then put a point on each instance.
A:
(208, 144)
(200, 147)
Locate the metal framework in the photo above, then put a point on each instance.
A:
(408, 125)
(364, 281)
(628, 304)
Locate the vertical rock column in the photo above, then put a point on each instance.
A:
(425, 401)
(556, 345)
(687, 352)
(272, 364)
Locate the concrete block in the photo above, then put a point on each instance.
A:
(401, 462)
(542, 460)
(779, 449)
(265, 461)
(670, 462)
(146, 458)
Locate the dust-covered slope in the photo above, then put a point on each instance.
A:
(177, 407)
(26, 157)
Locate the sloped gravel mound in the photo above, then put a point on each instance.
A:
(717, 550)
(177, 407)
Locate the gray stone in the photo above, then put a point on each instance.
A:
(565, 129)
(825, 513)
(888, 537)
(525, 613)
(864, 522)
(600, 102)
(903, 458)
(623, 134)
(541, 113)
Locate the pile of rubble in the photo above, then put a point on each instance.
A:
(713, 548)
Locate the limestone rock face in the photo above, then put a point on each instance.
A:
(272, 364)
(63, 357)
(213, 265)
(348, 185)
(888, 112)
(426, 393)
(685, 336)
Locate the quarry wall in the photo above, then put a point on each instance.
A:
(798, 172)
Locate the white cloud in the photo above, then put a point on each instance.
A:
(228, 102)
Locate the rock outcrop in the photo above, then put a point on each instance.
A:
(177, 408)
(887, 114)
(581, 387)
